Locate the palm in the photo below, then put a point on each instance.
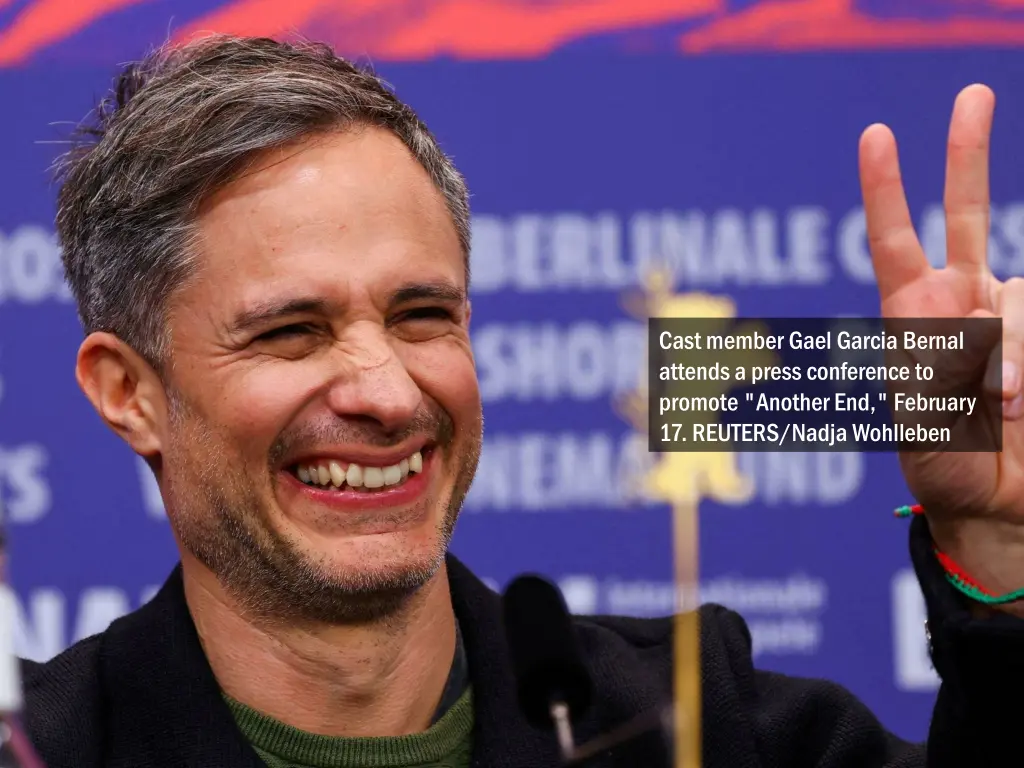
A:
(972, 485)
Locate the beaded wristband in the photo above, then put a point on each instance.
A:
(955, 574)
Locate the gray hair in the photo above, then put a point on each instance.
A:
(177, 126)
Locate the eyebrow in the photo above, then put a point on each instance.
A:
(267, 312)
(440, 291)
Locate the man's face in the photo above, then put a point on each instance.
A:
(326, 418)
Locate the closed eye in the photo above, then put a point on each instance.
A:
(285, 331)
(431, 313)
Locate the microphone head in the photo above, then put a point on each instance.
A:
(545, 651)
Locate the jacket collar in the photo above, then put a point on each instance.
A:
(165, 706)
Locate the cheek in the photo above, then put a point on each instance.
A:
(444, 370)
(259, 404)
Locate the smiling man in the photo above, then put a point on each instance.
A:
(324, 422)
(270, 255)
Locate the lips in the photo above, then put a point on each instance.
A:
(318, 482)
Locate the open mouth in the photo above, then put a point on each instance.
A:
(329, 474)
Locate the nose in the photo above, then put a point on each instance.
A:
(374, 383)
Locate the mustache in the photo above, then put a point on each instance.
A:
(433, 423)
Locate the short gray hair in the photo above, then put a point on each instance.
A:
(182, 123)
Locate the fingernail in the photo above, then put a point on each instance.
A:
(1013, 409)
(1011, 378)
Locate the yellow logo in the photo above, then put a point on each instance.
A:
(685, 478)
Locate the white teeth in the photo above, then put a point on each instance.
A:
(337, 474)
(392, 475)
(333, 473)
(373, 477)
(354, 477)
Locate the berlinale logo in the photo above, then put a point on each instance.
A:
(683, 479)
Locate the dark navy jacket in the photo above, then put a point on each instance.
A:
(142, 695)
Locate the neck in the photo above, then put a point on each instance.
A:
(383, 679)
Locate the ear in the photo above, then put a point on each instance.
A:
(469, 312)
(125, 391)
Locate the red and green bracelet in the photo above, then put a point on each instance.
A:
(956, 574)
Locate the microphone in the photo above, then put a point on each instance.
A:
(553, 685)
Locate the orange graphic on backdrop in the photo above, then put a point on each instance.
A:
(45, 22)
(400, 29)
(388, 29)
(506, 29)
(808, 25)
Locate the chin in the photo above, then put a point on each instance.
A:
(381, 560)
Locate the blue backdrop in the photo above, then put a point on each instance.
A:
(594, 148)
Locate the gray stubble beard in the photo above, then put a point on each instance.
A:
(216, 515)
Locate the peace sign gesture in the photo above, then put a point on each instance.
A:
(974, 501)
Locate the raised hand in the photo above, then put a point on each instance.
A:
(974, 501)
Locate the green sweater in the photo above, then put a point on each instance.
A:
(446, 744)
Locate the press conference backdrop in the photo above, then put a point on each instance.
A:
(718, 136)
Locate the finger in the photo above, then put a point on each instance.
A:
(967, 179)
(1013, 348)
(895, 251)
